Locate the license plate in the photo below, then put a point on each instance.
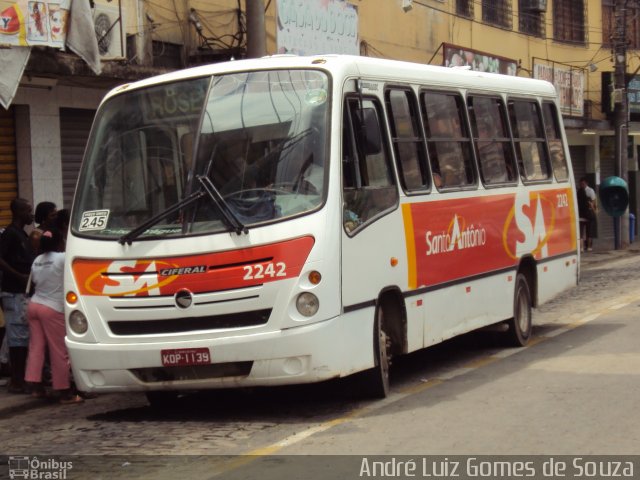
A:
(185, 356)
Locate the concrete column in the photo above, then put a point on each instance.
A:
(256, 34)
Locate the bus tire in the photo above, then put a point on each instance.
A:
(520, 325)
(375, 381)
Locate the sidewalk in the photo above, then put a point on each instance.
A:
(16, 403)
(588, 259)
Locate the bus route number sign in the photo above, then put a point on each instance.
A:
(181, 357)
(94, 220)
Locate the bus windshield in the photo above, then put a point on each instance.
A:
(255, 139)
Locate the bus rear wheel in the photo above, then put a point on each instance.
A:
(376, 380)
(520, 325)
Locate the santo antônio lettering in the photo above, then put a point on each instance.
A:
(168, 272)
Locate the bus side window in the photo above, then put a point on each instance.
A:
(492, 140)
(528, 136)
(368, 185)
(408, 143)
(554, 139)
(448, 141)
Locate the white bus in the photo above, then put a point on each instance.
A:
(295, 219)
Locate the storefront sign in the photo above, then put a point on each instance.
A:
(455, 56)
(569, 83)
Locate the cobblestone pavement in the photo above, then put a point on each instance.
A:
(238, 421)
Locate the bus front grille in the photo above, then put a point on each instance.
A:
(196, 372)
(190, 324)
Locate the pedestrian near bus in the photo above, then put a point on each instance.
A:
(45, 217)
(16, 256)
(46, 320)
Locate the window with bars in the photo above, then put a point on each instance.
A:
(407, 138)
(531, 18)
(609, 24)
(569, 21)
(497, 12)
(464, 8)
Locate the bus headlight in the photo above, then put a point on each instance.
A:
(307, 304)
(78, 322)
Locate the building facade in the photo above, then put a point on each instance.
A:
(572, 43)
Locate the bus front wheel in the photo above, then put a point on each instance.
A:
(519, 331)
(376, 379)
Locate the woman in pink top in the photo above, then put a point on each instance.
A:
(46, 320)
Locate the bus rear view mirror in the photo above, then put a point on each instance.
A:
(614, 196)
(370, 138)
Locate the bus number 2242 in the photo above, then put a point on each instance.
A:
(270, 270)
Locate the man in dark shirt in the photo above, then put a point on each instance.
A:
(16, 257)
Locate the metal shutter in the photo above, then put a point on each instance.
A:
(606, 230)
(75, 125)
(578, 162)
(8, 167)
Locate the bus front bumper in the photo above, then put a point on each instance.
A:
(305, 354)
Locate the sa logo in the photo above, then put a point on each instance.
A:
(129, 278)
(534, 217)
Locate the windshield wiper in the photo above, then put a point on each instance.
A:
(228, 214)
(143, 227)
(208, 189)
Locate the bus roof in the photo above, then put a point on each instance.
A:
(392, 71)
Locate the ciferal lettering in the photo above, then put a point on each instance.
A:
(168, 272)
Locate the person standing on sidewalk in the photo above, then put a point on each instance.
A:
(46, 320)
(16, 257)
(45, 217)
(587, 209)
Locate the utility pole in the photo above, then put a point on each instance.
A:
(256, 34)
(621, 112)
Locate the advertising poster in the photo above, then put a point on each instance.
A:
(29, 23)
(455, 56)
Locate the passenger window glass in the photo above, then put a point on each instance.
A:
(408, 143)
(529, 140)
(448, 142)
(492, 140)
(368, 186)
(554, 138)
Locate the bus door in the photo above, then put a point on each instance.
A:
(372, 226)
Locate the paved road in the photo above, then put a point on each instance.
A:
(532, 391)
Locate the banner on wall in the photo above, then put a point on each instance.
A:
(28, 23)
(311, 27)
(455, 56)
(50, 23)
(569, 82)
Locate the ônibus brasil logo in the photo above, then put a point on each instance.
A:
(38, 468)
